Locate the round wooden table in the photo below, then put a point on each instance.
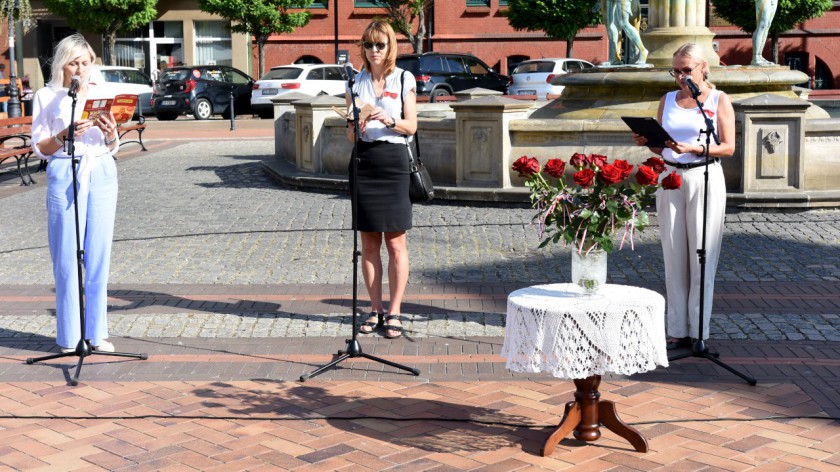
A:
(557, 329)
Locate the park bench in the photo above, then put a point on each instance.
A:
(15, 136)
(126, 128)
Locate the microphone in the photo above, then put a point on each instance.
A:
(692, 86)
(351, 74)
(74, 85)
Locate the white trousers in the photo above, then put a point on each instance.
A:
(97, 209)
(680, 215)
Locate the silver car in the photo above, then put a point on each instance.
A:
(533, 77)
(310, 79)
(131, 81)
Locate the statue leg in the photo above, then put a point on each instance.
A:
(633, 36)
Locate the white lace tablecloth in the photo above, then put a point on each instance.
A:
(556, 329)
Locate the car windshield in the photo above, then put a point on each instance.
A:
(534, 67)
(410, 65)
(174, 75)
(136, 77)
(282, 73)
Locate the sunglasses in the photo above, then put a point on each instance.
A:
(682, 72)
(377, 46)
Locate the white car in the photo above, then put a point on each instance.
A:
(128, 80)
(534, 77)
(310, 79)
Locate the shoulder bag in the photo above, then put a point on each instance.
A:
(420, 187)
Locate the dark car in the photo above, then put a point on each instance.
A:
(201, 90)
(441, 74)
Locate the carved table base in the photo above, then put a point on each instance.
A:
(586, 414)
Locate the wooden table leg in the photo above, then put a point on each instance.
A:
(609, 418)
(586, 414)
(571, 418)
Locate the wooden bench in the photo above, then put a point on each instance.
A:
(18, 133)
(128, 127)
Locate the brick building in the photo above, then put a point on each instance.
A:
(183, 33)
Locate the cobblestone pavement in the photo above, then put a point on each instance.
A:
(205, 212)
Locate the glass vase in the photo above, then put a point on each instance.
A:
(589, 270)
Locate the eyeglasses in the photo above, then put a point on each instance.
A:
(681, 72)
(377, 46)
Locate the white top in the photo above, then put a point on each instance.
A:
(556, 329)
(389, 101)
(684, 124)
(51, 114)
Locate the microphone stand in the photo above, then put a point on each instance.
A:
(699, 348)
(354, 348)
(83, 348)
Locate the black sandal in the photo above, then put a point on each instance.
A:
(370, 325)
(397, 329)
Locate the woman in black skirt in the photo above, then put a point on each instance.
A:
(384, 209)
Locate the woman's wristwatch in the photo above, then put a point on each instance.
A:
(393, 123)
(109, 142)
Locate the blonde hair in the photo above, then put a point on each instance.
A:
(66, 50)
(374, 30)
(696, 53)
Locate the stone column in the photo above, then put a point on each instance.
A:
(672, 23)
(309, 123)
(771, 146)
(483, 147)
(284, 125)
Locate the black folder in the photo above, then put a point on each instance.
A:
(649, 128)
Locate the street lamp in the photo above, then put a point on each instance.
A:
(13, 108)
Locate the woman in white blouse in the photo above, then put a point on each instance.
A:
(95, 143)
(382, 202)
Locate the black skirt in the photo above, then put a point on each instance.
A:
(383, 203)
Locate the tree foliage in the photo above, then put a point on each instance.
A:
(789, 13)
(403, 15)
(260, 18)
(559, 19)
(105, 17)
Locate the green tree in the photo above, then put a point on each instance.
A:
(789, 13)
(105, 17)
(559, 19)
(403, 15)
(260, 18)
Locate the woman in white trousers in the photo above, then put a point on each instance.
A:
(680, 211)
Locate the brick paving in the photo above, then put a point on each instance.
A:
(235, 286)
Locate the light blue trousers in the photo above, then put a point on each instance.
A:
(97, 210)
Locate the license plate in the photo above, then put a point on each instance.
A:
(527, 92)
(167, 102)
(269, 92)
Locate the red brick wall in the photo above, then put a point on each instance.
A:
(485, 33)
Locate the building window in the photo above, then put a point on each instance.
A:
(822, 75)
(213, 44)
(318, 4)
(513, 61)
(478, 3)
(366, 4)
(503, 3)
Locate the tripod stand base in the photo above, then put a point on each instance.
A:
(354, 350)
(699, 349)
(83, 350)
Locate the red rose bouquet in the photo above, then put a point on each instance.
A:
(601, 202)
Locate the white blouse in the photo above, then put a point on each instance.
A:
(389, 101)
(51, 114)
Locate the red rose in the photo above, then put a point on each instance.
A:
(584, 177)
(526, 166)
(655, 163)
(610, 174)
(646, 175)
(597, 160)
(625, 167)
(578, 160)
(555, 168)
(672, 182)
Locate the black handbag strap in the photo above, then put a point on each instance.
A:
(402, 115)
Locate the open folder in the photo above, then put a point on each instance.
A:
(364, 112)
(649, 128)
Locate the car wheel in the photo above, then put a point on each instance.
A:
(163, 116)
(437, 93)
(203, 109)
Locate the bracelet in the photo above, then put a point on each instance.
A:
(703, 151)
(58, 141)
(110, 142)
